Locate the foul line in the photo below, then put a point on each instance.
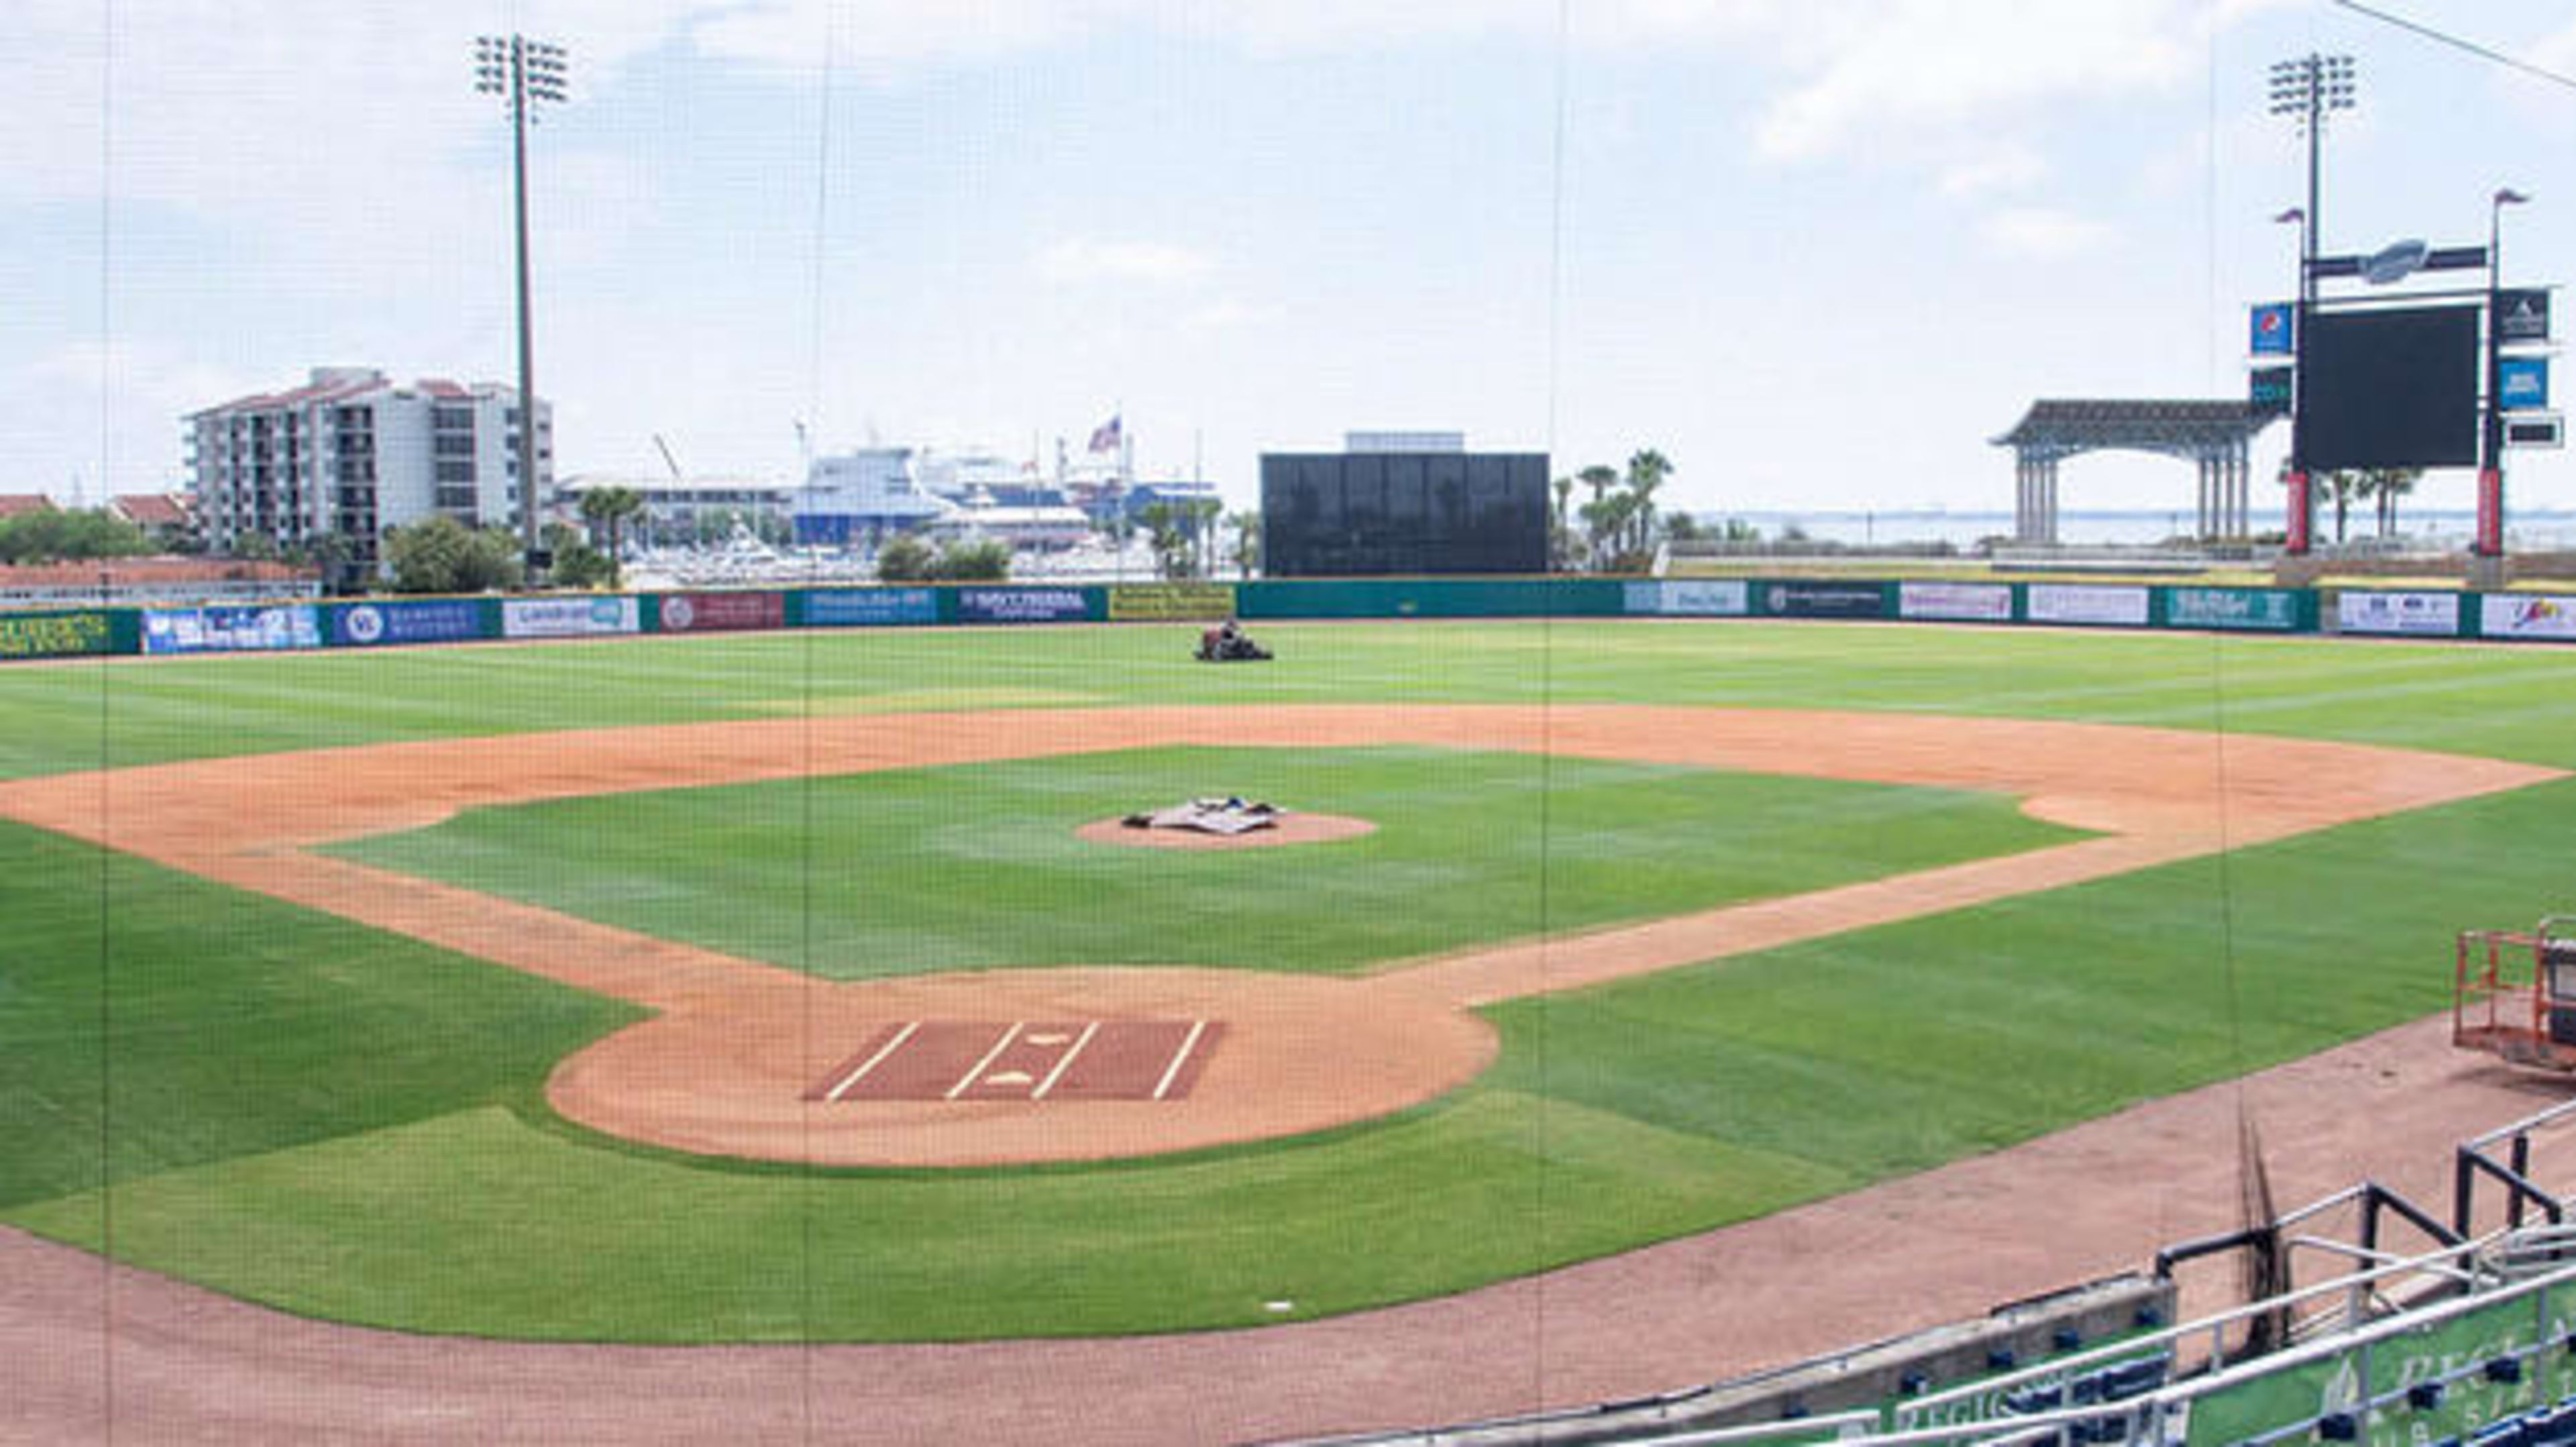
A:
(1172, 1072)
(833, 1096)
(968, 1080)
(1057, 1074)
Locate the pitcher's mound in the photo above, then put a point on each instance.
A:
(1286, 829)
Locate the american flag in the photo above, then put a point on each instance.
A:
(1104, 438)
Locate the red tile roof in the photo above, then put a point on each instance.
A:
(17, 504)
(162, 570)
(151, 510)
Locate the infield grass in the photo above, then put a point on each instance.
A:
(978, 866)
(306, 1113)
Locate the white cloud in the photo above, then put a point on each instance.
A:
(2013, 167)
(2046, 234)
(1079, 260)
(1951, 64)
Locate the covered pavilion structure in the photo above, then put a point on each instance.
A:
(2216, 436)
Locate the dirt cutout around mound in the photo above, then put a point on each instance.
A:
(727, 1063)
(1296, 827)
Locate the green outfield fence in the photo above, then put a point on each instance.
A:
(382, 622)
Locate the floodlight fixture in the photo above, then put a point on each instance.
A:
(526, 74)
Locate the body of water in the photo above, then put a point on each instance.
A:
(2536, 530)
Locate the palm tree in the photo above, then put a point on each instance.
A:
(1647, 470)
(1600, 477)
(1247, 541)
(608, 508)
(2341, 487)
(2387, 485)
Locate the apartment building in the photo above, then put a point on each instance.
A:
(353, 455)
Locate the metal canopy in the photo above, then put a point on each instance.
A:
(2217, 435)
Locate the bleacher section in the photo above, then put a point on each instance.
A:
(2472, 1341)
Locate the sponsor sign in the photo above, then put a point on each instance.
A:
(1145, 602)
(365, 625)
(2522, 383)
(2271, 389)
(2394, 262)
(53, 635)
(1022, 605)
(1956, 602)
(220, 629)
(2428, 615)
(1690, 598)
(870, 607)
(1824, 600)
(2261, 610)
(722, 612)
(2542, 429)
(2527, 615)
(2522, 316)
(2092, 604)
(569, 617)
(2275, 329)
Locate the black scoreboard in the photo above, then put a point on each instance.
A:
(1357, 514)
(2393, 388)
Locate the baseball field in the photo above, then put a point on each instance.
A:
(798, 987)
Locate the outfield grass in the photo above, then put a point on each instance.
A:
(304, 1112)
(978, 866)
(2503, 701)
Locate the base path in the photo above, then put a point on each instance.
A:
(729, 1061)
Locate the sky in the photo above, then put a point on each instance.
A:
(1817, 252)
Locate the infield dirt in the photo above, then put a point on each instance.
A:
(726, 1064)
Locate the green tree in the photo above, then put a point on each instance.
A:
(1247, 542)
(577, 563)
(57, 535)
(1168, 528)
(2340, 488)
(1647, 470)
(984, 560)
(441, 555)
(904, 558)
(2387, 485)
(607, 509)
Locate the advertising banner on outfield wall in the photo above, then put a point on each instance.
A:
(1022, 605)
(1192, 602)
(2527, 615)
(221, 630)
(2426, 615)
(55, 635)
(1955, 602)
(367, 625)
(1690, 598)
(569, 617)
(2258, 610)
(722, 612)
(870, 607)
(2086, 603)
(1824, 600)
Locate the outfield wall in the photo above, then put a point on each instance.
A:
(384, 622)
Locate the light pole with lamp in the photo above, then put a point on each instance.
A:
(2490, 538)
(525, 73)
(2307, 89)
(2301, 500)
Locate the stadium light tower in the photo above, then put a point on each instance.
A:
(525, 74)
(2489, 542)
(2308, 90)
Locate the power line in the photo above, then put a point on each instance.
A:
(2456, 43)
